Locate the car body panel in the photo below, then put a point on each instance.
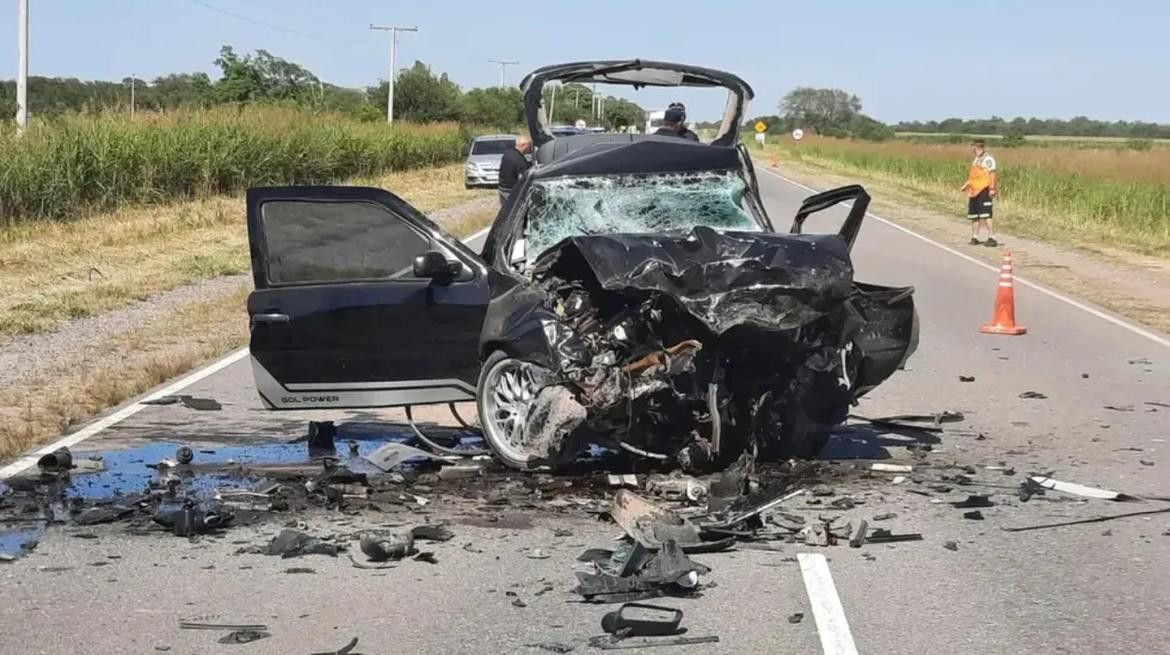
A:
(354, 342)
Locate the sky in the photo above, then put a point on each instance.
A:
(906, 59)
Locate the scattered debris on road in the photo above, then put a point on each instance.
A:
(190, 402)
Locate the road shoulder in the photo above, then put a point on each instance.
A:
(1132, 285)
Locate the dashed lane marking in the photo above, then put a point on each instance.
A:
(836, 638)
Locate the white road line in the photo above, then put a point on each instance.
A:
(836, 639)
(1122, 323)
(135, 406)
(126, 412)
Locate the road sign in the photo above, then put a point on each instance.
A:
(760, 138)
(580, 124)
(797, 134)
(761, 127)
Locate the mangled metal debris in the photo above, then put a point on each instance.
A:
(688, 348)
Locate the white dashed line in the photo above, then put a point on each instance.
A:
(836, 638)
(1056, 295)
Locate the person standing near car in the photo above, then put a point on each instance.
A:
(980, 187)
(674, 123)
(513, 164)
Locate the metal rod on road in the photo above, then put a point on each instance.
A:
(393, 30)
(504, 63)
(22, 70)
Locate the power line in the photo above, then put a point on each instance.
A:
(278, 28)
(504, 64)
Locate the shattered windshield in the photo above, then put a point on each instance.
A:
(614, 204)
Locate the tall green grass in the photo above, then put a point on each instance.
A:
(79, 164)
(1118, 198)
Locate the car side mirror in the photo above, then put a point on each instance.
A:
(435, 265)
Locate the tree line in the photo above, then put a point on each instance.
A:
(833, 112)
(419, 95)
(1081, 126)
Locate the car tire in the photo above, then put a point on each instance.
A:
(487, 403)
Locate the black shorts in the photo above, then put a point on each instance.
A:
(979, 207)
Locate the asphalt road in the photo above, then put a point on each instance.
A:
(1095, 588)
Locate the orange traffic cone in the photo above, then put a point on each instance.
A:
(775, 160)
(1004, 319)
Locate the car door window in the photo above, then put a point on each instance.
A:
(321, 241)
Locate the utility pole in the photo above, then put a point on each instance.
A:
(504, 63)
(393, 30)
(22, 70)
(131, 95)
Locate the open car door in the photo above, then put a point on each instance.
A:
(887, 323)
(359, 301)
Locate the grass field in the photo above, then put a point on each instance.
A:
(54, 271)
(1108, 196)
(81, 164)
(1039, 139)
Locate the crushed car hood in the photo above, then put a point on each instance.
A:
(723, 279)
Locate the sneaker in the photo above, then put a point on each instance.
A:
(991, 242)
(973, 242)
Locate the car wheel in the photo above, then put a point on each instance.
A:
(504, 398)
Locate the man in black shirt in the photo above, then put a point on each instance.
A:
(674, 123)
(513, 165)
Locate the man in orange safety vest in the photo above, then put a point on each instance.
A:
(981, 189)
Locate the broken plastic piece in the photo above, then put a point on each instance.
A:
(244, 636)
(393, 454)
(1080, 489)
(190, 402)
(622, 480)
(320, 438)
(886, 537)
(188, 520)
(642, 620)
(294, 543)
(382, 547)
(857, 536)
(973, 502)
(891, 468)
(432, 533)
(58, 461)
(95, 515)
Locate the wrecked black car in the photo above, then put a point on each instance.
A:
(631, 294)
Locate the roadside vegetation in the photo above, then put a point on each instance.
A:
(54, 271)
(1111, 197)
(77, 164)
